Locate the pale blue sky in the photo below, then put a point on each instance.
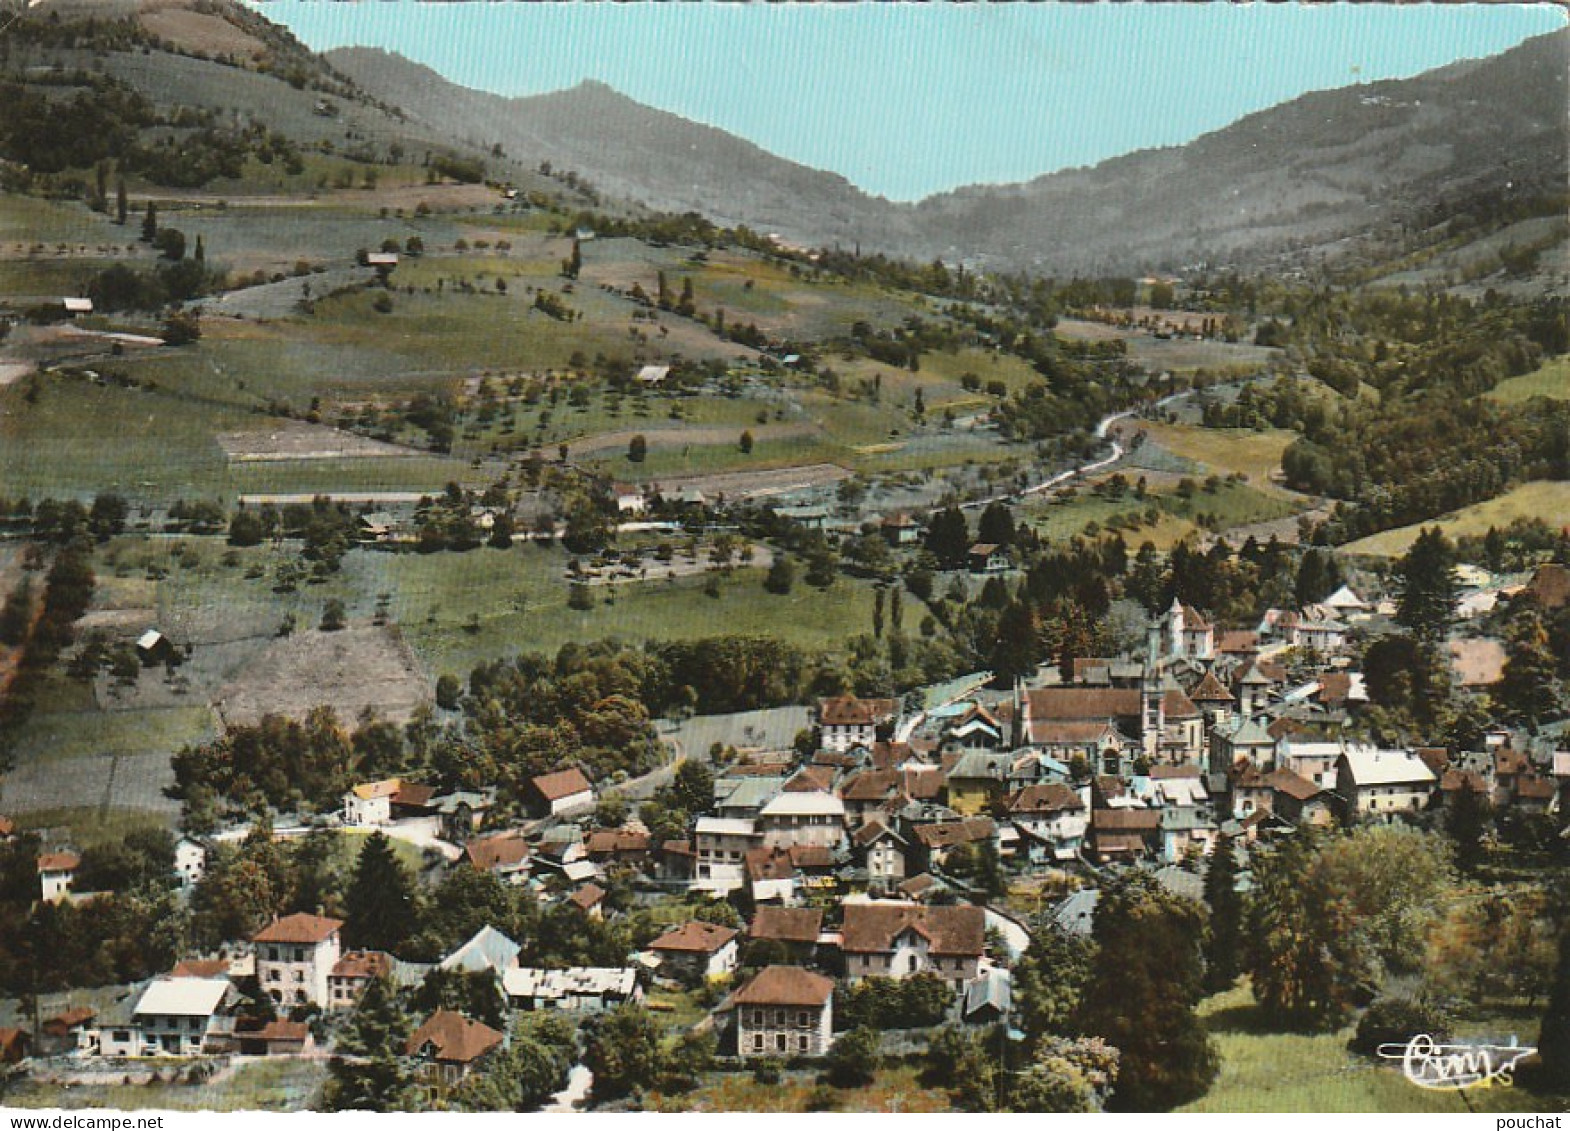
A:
(906, 100)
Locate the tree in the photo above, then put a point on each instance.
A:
(372, 1077)
(853, 1058)
(1141, 996)
(121, 204)
(1529, 687)
(150, 223)
(1017, 644)
(108, 515)
(1466, 823)
(1553, 1042)
(380, 902)
(745, 444)
(781, 575)
(623, 1049)
(333, 616)
(996, 525)
(638, 448)
(182, 328)
(957, 1060)
(948, 538)
(1050, 979)
(1224, 946)
(1429, 590)
(1066, 1076)
(449, 690)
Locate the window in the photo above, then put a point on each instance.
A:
(757, 1042)
(801, 1019)
(779, 1042)
(757, 1017)
(911, 963)
(801, 1043)
(274, 975)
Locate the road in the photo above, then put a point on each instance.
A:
(1103, 432)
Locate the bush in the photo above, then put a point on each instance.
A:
(853, 1058)
(1396, 1020)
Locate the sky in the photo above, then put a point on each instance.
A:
(910, 99)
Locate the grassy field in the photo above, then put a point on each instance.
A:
(1548, 500)
(58, 736)
(895, 1089)
(1552, 380)
(93, 826)
(279, 1084)
(1230, 505)
(1255, 454)
(1269, 1072)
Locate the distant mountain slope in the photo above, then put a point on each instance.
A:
(634, 153)
(1291, 183)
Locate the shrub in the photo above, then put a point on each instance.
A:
(1396, 1020)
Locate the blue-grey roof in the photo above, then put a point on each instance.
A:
(1077, 912)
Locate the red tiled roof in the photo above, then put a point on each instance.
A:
(769, 864)
(563, 783)
(1165, 771)
(587, 897)
(872, 831)
(811, 856)
(298, 928)
(950, 833)
(414, 795)
(68, 1019)
(1210, 690)
(604, 842)
(1052, 797)
(847, 710)
(695, 937)
(359, 964)
(811, 779)
(1063, 704)
(1125, 820)
(1453, 781)
(787, 924)
(503, 850)
(1436, 758)
(200, 968)
(1176, 705)
(786, 985)
(1510, 761)
(1235, 641)
(283, 1032)
(871, 928)
(452, 1037)
(1293, 785)
(59, 862)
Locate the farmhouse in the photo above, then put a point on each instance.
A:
(56, 873)
(784, 1011)
(352, 973)
(1373, 782)
(173, 1017)
(898, 940)
(295, 957)
(577, 989)
(696, 951)
(847, 721)
(563, 791)
(448, 1046)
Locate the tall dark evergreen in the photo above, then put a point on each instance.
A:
(1429, 589)
(1141, 998)
(948, 537)
(380, 901)
(1553, 1042)
(1224, 944)
(372, 1076)
(996, 525)
(150, 223)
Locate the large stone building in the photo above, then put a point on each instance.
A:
(295, 957)
(784, 1011)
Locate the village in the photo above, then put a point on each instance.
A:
(927, 838)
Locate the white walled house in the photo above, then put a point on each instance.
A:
(173, 1017)
(898, 940)
(369, 803)
(846, 721)
(721, 845)
(785, 1011)
(564, 791)
(1373, 783)
(295, 957)
(815, 819)
(56, 873)
(697, 951)
(190, 861)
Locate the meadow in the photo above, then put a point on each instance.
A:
(1547, 500)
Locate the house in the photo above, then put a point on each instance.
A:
(487, 950)
(1120, 834)
(577, 989)
(1243, 739)
(720, 845)
(771, 875)
(1296, 799)
(295, 956)
(619, 846)
(898, 940)
(900, 530)
(562, 792)
(1052, 816)
(989, 998)
(190, 861)
(1374, 782)
(154, 648)
(590, 899)
(353, 972)
(67, 1029)
(653, 374)
(976, 729)
(976, 781)
(370, 803)
(806, 819)
(1075, 914)
(934, 842)
(882, 853)
(1187, 633)
(784, 1011)
(846, 721)
(986, 557)
(460, 815)
(504, 855)
(56, 874)
(696, 951)
(274, 1038)
(74, 306)
(794, 928)
(1187, 829)
(173, 1017)
(449, 1046)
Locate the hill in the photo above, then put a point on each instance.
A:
(1365, 170)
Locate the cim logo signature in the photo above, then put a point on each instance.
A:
(1429, 1064)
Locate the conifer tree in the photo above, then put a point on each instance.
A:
(380, 901)
(1224, 946)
